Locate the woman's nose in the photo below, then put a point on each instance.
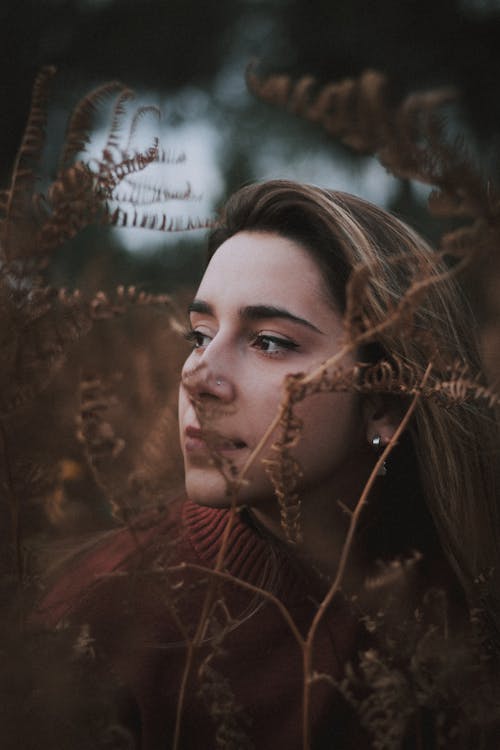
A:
(204, 380)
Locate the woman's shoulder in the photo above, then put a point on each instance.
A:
(105, 558)
(180, 542)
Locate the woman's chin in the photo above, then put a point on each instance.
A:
(208, 488)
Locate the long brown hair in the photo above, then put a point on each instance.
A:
(447, 464)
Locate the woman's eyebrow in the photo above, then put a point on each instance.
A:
(200, 306)
(260, 312)
(255, 312)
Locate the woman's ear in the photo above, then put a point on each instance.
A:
(382, 415)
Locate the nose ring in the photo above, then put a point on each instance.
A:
(218, 382)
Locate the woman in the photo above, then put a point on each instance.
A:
(206, 665)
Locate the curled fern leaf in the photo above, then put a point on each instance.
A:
(78, 131)
(138, 116)
(117, 117)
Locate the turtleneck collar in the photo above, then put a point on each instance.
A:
(250, 554)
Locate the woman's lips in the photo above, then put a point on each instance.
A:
(195, 441)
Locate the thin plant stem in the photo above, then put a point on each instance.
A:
(221, 575)
(182, 692)
(344, 556)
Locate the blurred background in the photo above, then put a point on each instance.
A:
(189, 57)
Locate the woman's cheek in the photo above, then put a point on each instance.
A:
(330, 430)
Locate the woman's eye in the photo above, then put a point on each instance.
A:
(197, 338)
(272, 344)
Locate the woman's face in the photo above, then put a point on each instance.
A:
(262, 311)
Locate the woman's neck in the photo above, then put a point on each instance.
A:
(324, 524)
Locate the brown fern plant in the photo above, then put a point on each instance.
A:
(42, 326)
(38, 322)
(49, 339)
(408, 137)
(419, 681)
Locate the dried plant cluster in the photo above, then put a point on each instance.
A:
(87, 411)
(78, 438)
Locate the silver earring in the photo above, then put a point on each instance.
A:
(377, 445)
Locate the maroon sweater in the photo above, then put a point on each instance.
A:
(245, 685)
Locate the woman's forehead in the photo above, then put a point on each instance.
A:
(263, 263)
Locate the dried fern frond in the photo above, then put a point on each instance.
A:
(81, 120)
(138, 116)
(103, 306)
(230, 720)
(110, 176)
(74, 201)
(33, 225)
(97, 435)
(39, 324)
(284, 470)
(116, 125)
(386, 711)
(146, 194)
(16, 200)
(161, 222)
(450, 384)
(169, 156)
(408, 138)
(420, 679)
(354, 110)
(358, 111)
(37, 327)
(34, 134)
(458, 386)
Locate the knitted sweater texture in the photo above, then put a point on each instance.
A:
(140, 593)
